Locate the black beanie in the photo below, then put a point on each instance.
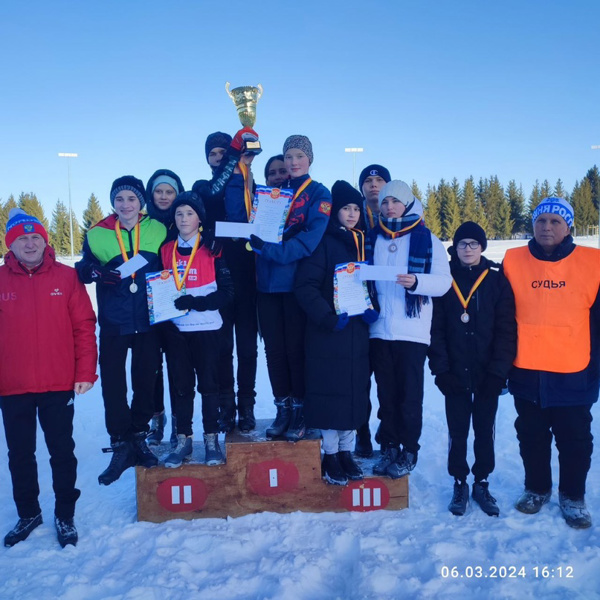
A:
(373, 171)
(190, 199)
(472, 231)
(342, 193)
(218, 139)
(131, 183)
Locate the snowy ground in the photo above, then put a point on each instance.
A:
(307, 556)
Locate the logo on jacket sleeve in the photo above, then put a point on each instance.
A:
(325, 208)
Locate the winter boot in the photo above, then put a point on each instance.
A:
(486, 501)
(332, 470)
(388, 457)
(227, 415)
(173, 438)
(22, 530)
(181, 453)
(123, 457)
(575, 512)
(144, 457)
(66, 532)
(282, 418)
(157, 429)
(403, 465)
(297, 429)
(363, 447)
(246, 420)
(212, 450)
(531, 503)
(460, 498)
(352, 470)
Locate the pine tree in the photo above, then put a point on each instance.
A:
(516, 201)
(559, 190)
(4, 212)
(586, 215)
(92, 214)
(59, 232)
(432, 212)
(468, 201)
(593, 176)
(546, 191)
(32, 206)
(449, 210)
(534, 199)
(497, 209)
(416, 191)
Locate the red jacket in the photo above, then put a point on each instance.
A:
(47, 328)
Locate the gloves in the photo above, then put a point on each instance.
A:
(256, 243)
(491, 386)
(190, 303)
(342, 321)
(104, 275)
(449, 384)
(247, 134)
(370, 316)
(214, 245)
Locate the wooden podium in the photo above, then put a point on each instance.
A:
(260, 475)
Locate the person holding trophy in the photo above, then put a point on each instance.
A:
(282, 321)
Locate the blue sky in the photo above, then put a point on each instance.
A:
(430, 89)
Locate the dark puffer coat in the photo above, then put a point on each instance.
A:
(337, 362)
(487, 344)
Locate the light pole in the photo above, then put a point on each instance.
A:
(69, 156)
(354, 151)
(598, 148)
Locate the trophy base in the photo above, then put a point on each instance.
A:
(253, 147)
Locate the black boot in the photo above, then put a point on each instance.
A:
(352, 470)
(460, 498)
(144, 456)
(226, 414)
(297, 429)
(123, 457)
(246, 420)
(332, 470)
(66, 532)
(282, 418)
(157, 429)
(363, 447)
(22, 530)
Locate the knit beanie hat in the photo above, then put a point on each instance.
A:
(20, 223)
(190, 199)
(397, 189)
(373, 171)
(131, 183)
(472, 231)
(218, 139)
(555, 206)
(302, 143)
(165, 179)
(342, 194)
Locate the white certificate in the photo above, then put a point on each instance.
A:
(270, 211)
(134, 264)
(380, 273)
(350, 293)
(162, 293)
(235, 230)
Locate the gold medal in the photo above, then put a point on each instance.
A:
(133, 288)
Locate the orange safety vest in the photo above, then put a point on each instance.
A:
(553, 301)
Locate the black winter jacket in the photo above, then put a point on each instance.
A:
(487, 344)
(337, 362)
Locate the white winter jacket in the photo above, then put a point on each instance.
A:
(393, 323)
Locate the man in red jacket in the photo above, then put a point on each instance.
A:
(48, 354)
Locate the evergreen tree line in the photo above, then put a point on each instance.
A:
(502, 212)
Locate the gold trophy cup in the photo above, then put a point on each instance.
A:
(245, 99)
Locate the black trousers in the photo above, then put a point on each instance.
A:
(159, 386)
(192, 355)
(121, 420)
(460, 410)
(239, 316)
(55, 411)
(282, 325)
(571, 427)
(399, 373)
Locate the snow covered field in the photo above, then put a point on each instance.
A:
(404, 554)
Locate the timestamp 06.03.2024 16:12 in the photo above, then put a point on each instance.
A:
(507, 572)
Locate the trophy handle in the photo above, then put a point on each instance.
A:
(227, 90)
(260, 91)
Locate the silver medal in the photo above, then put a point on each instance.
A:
(133, 288)
(392, 247)
(465, 317)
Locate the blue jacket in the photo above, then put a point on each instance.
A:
(277, 263)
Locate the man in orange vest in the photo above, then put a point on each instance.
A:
(555, 378)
